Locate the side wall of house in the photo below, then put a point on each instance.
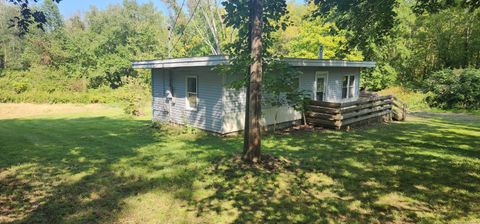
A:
(209, 112)
(235, 99)
(334, 82)
(159, 103)
(235, 110)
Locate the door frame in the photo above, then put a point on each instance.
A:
(323, 74)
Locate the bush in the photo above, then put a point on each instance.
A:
(134, 96)
(20, 87)
(454, 89)
(378, 78)
(46, 85)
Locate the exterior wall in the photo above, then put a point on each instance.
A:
(235, 99)
(221, 109)
(209, 112)
(160, 106)
(334, 82)
(235, 112)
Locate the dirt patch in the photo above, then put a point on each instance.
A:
(267, 163)
(24, 110)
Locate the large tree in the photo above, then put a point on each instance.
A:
(371, 21)
(28, 16)
(250, 55)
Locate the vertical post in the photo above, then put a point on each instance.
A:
(252, 153)
(169, 41)
(320, 51)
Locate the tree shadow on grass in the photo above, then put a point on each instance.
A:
(404, 172)
(80, 170)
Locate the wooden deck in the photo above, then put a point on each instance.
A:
(364, 110)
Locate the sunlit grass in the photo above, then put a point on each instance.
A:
(101, 166)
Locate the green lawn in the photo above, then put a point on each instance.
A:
(103, 167)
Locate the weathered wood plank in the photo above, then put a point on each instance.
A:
(322, 122)
(363, 106)
(325, 116)
(353, 120)
(325, 104)
(365, 112)
(320, 109)
(364, 101)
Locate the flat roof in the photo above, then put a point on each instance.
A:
(222, 59)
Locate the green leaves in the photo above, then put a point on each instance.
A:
(367, 20)
(454, 89)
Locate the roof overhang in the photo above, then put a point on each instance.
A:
(220, 59)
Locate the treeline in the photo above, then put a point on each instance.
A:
(87, 57)
(422, 44)
(79, 59)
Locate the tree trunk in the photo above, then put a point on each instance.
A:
(246, 129)
(252, 154)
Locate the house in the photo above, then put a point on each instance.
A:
(187, 90)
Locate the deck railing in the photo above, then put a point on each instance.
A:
(340, 115)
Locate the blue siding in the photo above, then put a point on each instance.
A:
(221, 109)
(209, 113)
(334, 86)
(159, 105)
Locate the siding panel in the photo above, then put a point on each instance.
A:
(334, 86)
(209, 113)
(235, 99)
(221, 109)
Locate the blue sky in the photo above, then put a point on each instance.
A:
(70, 7)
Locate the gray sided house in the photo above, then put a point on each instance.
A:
(189, 91)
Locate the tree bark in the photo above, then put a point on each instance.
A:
(246, 129)
(252, 152)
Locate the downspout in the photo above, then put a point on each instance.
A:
(172, 100)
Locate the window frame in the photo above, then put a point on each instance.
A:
(323, 74)
(349, 94)
(187, 102)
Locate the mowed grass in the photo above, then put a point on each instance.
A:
(98, 166)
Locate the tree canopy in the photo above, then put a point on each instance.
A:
(409, 40)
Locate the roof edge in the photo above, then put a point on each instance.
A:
(222, 59)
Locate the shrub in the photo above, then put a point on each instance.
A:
(20, 87)
(46, 85)
(454, 89)
(378, 78)
(134, 96)
(78, 85)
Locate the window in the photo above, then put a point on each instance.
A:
(348, 86)
(321, 86)
(191, 95)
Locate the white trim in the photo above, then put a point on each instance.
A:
(187, 104)
(222, 59)
(347, 97)
(325, 84)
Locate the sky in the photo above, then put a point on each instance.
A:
(70, 7)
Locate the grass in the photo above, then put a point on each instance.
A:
(99, 166)
(415, 100)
